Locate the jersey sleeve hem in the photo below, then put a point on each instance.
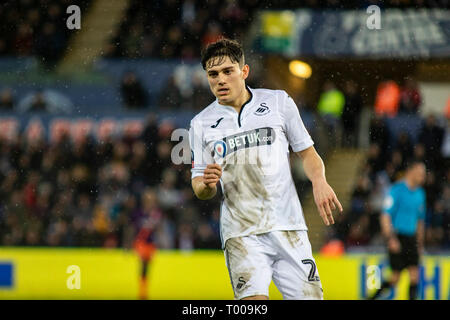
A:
(196, 173)
(302, 146)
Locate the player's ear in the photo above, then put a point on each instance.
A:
(245, 71)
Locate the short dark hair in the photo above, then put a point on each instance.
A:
(412, 163)
(221, 49)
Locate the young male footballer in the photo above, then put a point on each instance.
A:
(242, 139)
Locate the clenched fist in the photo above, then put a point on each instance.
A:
(212, 175)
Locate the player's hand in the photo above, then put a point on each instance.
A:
(420, 248)
(212, 175)
(326, 201)
(394, 245)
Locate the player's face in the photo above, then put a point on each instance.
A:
(227, 80)
(419, 174)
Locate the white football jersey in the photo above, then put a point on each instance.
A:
(252, 147)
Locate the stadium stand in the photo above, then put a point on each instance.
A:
(390, 148)
(96, 192)
(146, 33)
(36, 28)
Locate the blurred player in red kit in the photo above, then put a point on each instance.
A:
(145, 247)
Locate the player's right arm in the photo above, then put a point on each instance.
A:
(205, 173)
(387, 230)
(388, 233)
(205, 187)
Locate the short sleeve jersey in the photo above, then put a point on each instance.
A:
(405, 207)
(252, 147)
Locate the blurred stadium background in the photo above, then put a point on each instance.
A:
(86, 118)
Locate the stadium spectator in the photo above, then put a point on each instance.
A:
(447, 109)
(150, 134)
(49, 45)
(359, 234)
(352, 226)
(330, 107)
(379, 134)
(419, 152)
(404, 146)
(3, 48)
(23, 42)
(387, 98)
(435, 212)
(351, 114)
(134, 95)
(38, 103)
(201, 95)
(445, 200)
(168, 195)
(410, 98)
(138, 166)
(172, 44)
(205, 237)
(6, 99)
(331, 101)
(47, 100)
(185, 240)
(133, 42)
(213, 33)
(375, 160)
(170, 96)
(188, 12)
(431, 136)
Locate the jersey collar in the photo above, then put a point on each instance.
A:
(225, 106)
(230, 108)
(246, 103)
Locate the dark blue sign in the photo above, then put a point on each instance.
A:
(6, 275)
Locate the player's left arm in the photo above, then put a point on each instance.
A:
(420, 235)
(324, 196)
(302, 144)
(421, 225)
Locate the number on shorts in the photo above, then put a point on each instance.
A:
(312, 272)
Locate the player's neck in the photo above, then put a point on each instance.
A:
(410, 184)
(241, 100)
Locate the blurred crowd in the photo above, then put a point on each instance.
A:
(355, 4)
(146, 31)
(104, 192)
(180, 92)
(386, 163)
(36, 28)
(101, 193)
(341, 106)
(41, 100)
(389, 151)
